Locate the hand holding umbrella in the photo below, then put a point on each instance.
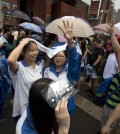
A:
(68, 33)
(110, 29)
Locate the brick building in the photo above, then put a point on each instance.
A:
(51, 9)
(101, 12)
(5, 7)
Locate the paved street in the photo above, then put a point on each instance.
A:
(85, 120)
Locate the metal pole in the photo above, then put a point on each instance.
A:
(106, 16)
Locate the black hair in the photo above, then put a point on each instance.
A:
(6, 29)
(51, 37)
(26, 47)
(64, 51)
(10, 39)
(83, 46)
(97, 40)
(43, 115)
(66, 54)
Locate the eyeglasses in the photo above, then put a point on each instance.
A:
(59, 56)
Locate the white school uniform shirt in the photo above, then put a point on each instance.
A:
(22, 81)
(51, 75)
(110, 67)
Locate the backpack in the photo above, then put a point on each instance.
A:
(101, 92)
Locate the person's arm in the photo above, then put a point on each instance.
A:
(1, 45)
(89, 52)
(63, 117)
(13, 45)
(84, 56)
(115, 44)
(13, 57)
(112, 118)
(98, 60)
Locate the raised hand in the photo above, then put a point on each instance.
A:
(110, 29)
(62, 114)
(25, 41)
(67, 30)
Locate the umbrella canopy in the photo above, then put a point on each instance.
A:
(81, 28)
(117, 25)
(61, 38)
(38, 20)
(101, 29)
(19, 14)
(31, 26)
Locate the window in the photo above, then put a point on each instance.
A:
(6, 16)
(5, 4)
(14, 6)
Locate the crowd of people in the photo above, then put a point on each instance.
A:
(30, 62)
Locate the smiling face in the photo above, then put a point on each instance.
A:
(60, 59)
(31, 52)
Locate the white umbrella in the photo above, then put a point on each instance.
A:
(81, 28)
(117, 25)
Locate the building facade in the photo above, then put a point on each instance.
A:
(101, 11)
(52, 9)
(5, 7)
(94, 11)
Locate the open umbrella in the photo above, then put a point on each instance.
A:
(101, 29)
(117, 25)
(19, 14)
(31, 26)
(81, 28)
(38, 20)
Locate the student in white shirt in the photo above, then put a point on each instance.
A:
(40, 117)
(111, 66)
(23, 73)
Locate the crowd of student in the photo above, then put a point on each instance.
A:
(27, 67)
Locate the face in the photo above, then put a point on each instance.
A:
(95, 44)
(60, 59)
(22, 33)
(109, 48)
(31, 53)
(11, 30)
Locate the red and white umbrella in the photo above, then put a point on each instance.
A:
(102, 29)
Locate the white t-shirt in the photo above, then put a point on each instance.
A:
(3, 40)
(110, 67)
(22, 81)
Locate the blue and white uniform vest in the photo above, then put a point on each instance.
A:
(70, 71)
(25, 123)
